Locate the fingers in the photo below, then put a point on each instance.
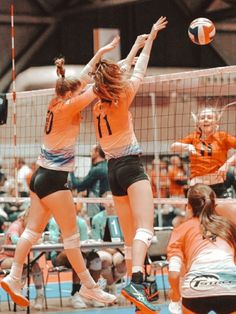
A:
(116, 40)
(160, 24)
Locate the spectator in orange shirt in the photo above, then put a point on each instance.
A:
(177, 177)
(204, 246)
(208, 148)
(163, 183)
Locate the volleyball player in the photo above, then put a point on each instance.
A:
(208, 150)
(49, 191)
(129, 184)
(204, 246)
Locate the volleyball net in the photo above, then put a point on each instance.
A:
(161, 113)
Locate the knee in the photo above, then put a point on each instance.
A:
(72, 242)
(31, 236)
(144, 235)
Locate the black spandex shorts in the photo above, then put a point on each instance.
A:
(124, 171)
(219, 304)
(45, 181)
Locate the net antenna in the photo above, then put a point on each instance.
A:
(224, 108)
(14, 98)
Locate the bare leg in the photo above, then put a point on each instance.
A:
(62, 207)
(141, 202)
(37, 221)
(38, 218)
(125, 214)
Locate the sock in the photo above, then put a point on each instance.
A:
(86, 279)
(16, 271)
(39, 292)
(137, 277)
(75, 288)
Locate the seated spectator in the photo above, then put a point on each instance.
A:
(92, 260)
(113, 261)
(6, 258)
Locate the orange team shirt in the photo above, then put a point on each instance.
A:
(210, 268)
(176, 173)
(114, 126)
(213, 152)
(163, 181)
(187, 243)
(61, 131)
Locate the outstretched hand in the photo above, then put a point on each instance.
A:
(159, 25)
(112, 45)
(140, 40)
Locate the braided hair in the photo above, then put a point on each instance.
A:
(64, 84)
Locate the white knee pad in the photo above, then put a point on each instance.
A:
(72, 242)
(128, 252)
(31, 236)
(144, 235)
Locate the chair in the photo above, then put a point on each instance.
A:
(157, 252)
(57, 270)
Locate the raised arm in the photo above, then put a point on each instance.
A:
(126, 63)
(84, 76)
(142, 62)
(179, 147)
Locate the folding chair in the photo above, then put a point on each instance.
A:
(157, 252)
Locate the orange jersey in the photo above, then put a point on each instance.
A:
(187, 243)
(213, 152)
(114, 126)
(61, 131)
(202, 260)
(176, 173)
(163, 182)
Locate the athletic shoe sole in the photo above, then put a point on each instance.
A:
(16, 298)
(142, 307)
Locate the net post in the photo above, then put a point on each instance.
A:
(14, 98)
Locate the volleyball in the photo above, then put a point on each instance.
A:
(201, 31)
